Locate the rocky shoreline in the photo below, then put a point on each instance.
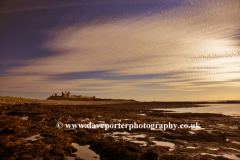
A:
(28, 131)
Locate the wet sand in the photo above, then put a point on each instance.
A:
(28, 131)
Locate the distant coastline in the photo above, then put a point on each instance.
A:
(82, 101)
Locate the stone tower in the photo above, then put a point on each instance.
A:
(68, 94)
(63, 95)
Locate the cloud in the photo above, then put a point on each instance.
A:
(195, 46)
(29, 5)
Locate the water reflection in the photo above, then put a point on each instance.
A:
(226, 109)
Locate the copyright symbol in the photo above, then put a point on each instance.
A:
(59, 125)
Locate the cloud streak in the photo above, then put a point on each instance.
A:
(194, 46)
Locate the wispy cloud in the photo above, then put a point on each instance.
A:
(193, 46)
(29, 5)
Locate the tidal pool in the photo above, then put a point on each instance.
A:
(162, 143)
(84, 152)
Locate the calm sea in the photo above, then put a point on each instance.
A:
(226, 109)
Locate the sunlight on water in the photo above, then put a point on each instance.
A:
(226, 109)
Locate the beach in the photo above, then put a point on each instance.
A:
(44, 131)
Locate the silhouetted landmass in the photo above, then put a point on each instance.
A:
(67, 96)
(86, 99)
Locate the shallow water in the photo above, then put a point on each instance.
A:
(133, 138)
(84, 152)
(213, 149)
(137, 136)
(191, 132)
(143, 143)
(86, 119)
(129, 137)
(116, 120)
(101, 122)
(191, 147)
(162, 143)
(196, 129)
(34, 137)
(230, 156)
(120, 133)
(24, 118)
(226, 109)
(235, 142)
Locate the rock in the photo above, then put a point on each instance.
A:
(57, 150)
(69, 149)
(175, 157)
(150, 155)
(209, 157)
(97, 145)
(15, 113)
(8, 131)
(118, 153)
(213, 137)
(37, 118)
(117, 150)
(51, 140)
(83, 137)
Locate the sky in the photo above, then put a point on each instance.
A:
(147, 50)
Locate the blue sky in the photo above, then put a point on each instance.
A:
(144, 50)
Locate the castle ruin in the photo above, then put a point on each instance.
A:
(66, 94)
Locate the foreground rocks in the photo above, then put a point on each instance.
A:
(28, 131)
